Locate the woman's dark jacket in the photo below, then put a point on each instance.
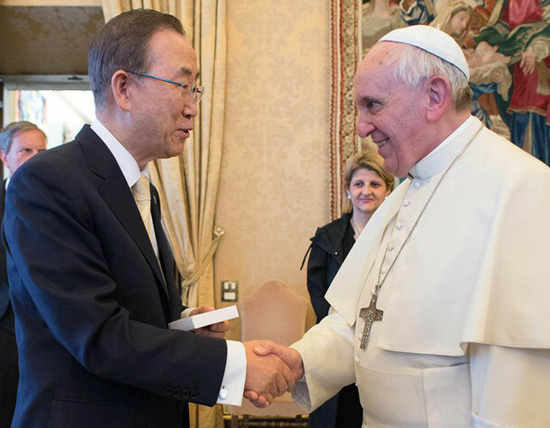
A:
(329, 247)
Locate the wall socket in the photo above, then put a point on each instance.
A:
(230, 291)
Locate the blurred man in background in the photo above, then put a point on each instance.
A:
(19, 141)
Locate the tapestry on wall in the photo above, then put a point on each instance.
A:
(507, 46)
(345, 54)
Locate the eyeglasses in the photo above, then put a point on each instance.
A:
(196, 92)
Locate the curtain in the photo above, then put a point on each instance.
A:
(188, 184)
(344, 57)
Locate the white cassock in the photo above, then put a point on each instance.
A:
(465, 336)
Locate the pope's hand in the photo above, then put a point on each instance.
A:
(289, 356)
(216, 330)
(266, 375)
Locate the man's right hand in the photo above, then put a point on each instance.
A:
(267, 375)
(293, 369)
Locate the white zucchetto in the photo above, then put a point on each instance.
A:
(433, 41)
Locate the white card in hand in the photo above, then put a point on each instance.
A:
(204, 319)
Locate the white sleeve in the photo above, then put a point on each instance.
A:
(327, 353)
(232, 389)
(510, 386)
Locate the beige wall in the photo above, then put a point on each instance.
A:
(274, 178)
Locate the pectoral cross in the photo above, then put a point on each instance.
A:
(369, 314)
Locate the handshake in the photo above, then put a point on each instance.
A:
(271, 370)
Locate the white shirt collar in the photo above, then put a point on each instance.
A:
(439, 158)
(124, 159)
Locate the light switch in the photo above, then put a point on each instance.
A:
(230, 291)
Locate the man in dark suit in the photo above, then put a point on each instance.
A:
(19, 141)
(95, 291)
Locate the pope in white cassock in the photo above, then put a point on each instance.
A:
(441, 312)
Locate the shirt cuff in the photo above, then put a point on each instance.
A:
(185, 313)
(232, 389)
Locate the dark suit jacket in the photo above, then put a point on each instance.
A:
(6, 317)
(90, 302)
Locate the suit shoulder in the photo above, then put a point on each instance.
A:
(62, 164)
(66, 155)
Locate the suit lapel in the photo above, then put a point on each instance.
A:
(119, 198)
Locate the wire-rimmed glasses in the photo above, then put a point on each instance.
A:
(195, 92)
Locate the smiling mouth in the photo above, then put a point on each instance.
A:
(382, 143)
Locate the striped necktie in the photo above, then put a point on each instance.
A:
(142, 195)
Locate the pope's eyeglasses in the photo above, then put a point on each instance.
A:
(195, 92)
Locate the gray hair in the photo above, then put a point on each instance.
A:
(12, 130)
(123, 44)
(414, 65)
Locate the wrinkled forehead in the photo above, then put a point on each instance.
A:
(381, 59)
(34, 137)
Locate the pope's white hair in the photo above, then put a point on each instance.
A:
(414, 65)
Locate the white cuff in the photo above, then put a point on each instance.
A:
(232, 388)
(185, 313)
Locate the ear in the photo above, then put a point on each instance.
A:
(120, 89)
(4, 158)
(439, 98)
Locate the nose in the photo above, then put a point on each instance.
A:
(190, 108)
(364, 127)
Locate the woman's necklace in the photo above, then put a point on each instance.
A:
(356, 229)
(371, 313)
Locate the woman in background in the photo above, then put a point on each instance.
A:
(367, 185)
